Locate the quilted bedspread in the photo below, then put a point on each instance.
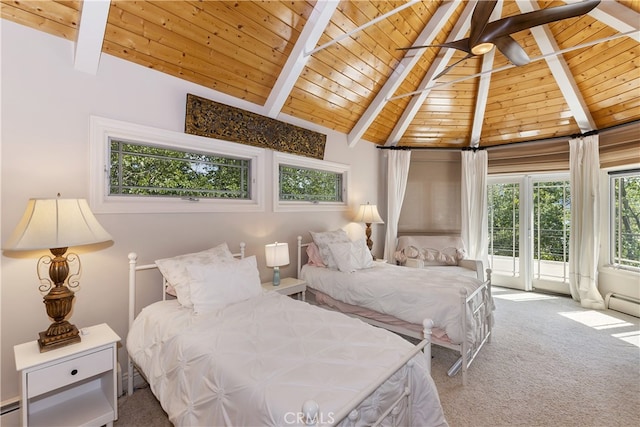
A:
(256, 362)
(409, 294)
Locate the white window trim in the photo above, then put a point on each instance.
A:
(307, 162)
(610, 197)
(102, 130)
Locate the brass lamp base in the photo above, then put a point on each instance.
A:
(50, 342)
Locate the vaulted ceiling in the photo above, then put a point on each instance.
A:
(338, 64)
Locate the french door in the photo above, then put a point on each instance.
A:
(529, 231)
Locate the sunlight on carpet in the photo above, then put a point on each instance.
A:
(601, 321)
(524, 296)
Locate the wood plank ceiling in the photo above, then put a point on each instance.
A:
(337, 64)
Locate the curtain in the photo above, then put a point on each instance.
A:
(474, 227)
(584, 238)
(398, 163)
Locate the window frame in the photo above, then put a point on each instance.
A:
(286, 159)
(102, 130)
(612, 175)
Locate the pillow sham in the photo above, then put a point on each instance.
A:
(313, 253)
(351, 256)
(175, 271)
(215, 286)
(323, 239)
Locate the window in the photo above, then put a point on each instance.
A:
(140, 169)
(625, 219)
(309, 184)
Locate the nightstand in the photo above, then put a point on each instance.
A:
(288, 286)
(75, 385)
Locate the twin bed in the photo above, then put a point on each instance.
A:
(225, 352)
(342, 276)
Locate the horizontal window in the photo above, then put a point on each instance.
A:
(141, 169)
(309, 184)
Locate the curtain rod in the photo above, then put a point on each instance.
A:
(555, 138)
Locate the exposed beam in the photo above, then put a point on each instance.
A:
(561, 72)
(410, 59)
(483, 87)
(93, 22)
(617, 16)
(362, 27)
(509, 66)
(311, 33)
(439, 64)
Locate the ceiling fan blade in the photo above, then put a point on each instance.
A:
(512, 50)
(513, 24)
(450, 67)
(462, 44)
(479, 20)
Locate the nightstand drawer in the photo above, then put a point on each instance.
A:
(68, 372)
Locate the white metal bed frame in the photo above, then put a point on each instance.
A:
(468, 352)
(310, 409)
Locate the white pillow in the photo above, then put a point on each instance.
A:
(215, 286)
(323, 239)
(351, 256)
(175, 272)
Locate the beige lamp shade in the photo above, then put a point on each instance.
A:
(368, 214)
(56, 223)
(276, 254)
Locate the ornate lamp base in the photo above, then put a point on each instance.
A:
(50, 342)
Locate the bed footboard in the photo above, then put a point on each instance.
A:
(312, 412)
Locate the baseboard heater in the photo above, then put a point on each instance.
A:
(623, 304)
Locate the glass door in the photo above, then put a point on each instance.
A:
(529, 232)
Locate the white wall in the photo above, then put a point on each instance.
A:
(46, 106)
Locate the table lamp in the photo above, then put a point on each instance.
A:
(276, 254)
(56, 224)
(369, 215)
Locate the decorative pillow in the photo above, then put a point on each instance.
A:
(313, 253)
(175, 272)
(323, 239)
(412, 252)
(351, 256)
(215, 286)
(446, 256)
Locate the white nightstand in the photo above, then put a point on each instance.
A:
(288, 286)
(75, 385)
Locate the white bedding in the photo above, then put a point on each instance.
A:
(256, 362)
(409, 294)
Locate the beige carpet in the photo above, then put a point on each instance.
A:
(550, 363)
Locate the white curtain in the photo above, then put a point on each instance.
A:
(584, 240)
(474, 230)
(398, 163)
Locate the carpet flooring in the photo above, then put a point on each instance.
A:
(550, 363)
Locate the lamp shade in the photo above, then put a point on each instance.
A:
(277, 254)
(368, 214)
(56, 223)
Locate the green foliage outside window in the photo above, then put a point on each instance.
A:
(551, 220)
(625, 191)
(302, 184)
(144, 170)
(504, 219)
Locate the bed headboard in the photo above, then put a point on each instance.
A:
(134, 268)
(302, 255)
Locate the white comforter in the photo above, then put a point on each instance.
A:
(256, 362)
(409, 294)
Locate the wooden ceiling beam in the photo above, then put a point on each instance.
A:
(410, 59)
(617, 16)
(483, 87)
(93, 21)
(561, 72)
(438, 65)
(311, 33)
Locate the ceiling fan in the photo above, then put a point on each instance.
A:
(484, 35)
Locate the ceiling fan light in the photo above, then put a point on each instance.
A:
(482, 48)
